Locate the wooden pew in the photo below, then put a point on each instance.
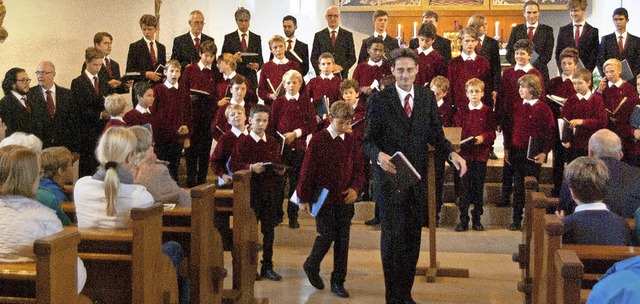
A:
(51, 279)
(568, 280)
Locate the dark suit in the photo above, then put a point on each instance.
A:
(61, 129)
(344, 52)
(89, 105)
(184, 50)
(139, 58)
(491, 50)
(542, 44)
(115, 74)
(587, 46)
(609, 49)
(232, 44)
(390, 44)
(16, 116)
(302, 49)
(440, 44)
(389, 130)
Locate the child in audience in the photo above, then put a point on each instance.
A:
(368, 74)
(238, 88)
(326, 84)
(250, 153)
(532, 121)
(57, 171)
(477, 121)
(141, 115)
(114, 105)
(173, 109)
(431, 62)
(333, 162)
(292, 119)
(272, 71)
(236, 118)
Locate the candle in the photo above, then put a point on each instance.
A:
(513, 25)
(399, 30)
(415, 29)
(497, 28)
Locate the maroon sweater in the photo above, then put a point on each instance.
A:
(173, 109)
(531, 121)
(365, 74)
(560, 88)
(460, 71)
(222, 153)
(474, 123)
(114, 123)
(612, 97)
(430, 66)
(273, 72)
(248, 152)
(203, 109)
(135, 118)
(288, 115)
(222, 86)
(334, 164)
(446, 113)
(359, 115)
(509, 96)
(318, 87)
(591, 111)
(220, 124)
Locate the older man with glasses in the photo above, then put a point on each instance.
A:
(185, 47)
(15, 108)
(335, 40)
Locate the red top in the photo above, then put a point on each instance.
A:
(532, 121)
(560, 88)
(474, 123)
(273, 72)
(508, 95)
(289, 115)
(248, 152)
(591, 111)
(114, 123)
(612, 96)
(135, 118)
(430, 66)
(318, 87)
(222, 153)
(460, 71)
(173, 109)
(446, 112)
(203, 108)
(365, 74)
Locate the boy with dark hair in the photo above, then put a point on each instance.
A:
(431, 62)
(380, 21)
(272, 71)
(620, 44)
(141, 115)
(333, 162)
(370, 73)
(238, 90)
(146, 54)
(326, 83)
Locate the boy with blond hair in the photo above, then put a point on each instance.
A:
(56, 164)
(114, 105)
(272, 71)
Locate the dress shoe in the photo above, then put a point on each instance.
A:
(462, 227)
(515, 227)
(314, 277)
(477, 227)
(293, 224)
(372, 222)
(410, 301)
(492, 155)
(338, 289)
(270, 275)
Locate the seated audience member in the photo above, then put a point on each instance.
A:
(114, 105)
(141, 115)
(25, 140)
(620, 284)
(56, 164)
(3, 130)
(23, 219)
(591, 223)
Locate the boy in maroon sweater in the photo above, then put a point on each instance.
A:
(226, 65)
(532, 120)
(250, 153)
(333, 162)
(370, 73)
(238, 90)
(114, 105)
(430, 62)
(272, 71)
(236, 118)
(172, 106)
(326, 84)
(292, 118)
(477, 121)
(141, 115)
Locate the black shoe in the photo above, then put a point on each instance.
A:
(515, 226)
(492, 155)
(338, 289)
(372, 222)
(314, 277)
(462, 227)
(293, 224)
(477, 227)
(270, 275)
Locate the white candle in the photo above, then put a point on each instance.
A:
(399, 30)
(415, 29)
(497, 28)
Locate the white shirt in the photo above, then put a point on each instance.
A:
(372, 63)
(246, 37)
(593, 206)
(335, 29)
(535, 27)
(334, 133)
(425, 52)
(402, 94)
(237, 131)
(581, 28)
(19, 97)
(293, 42)
(155, 45)
(234, 102)
(624, 38)
(383, 34)
(53, 93)
(529, 101)
(525, 68)
(117, 118)
(258, 138)
(142, 110)
(86, 72)
(564, 77)
(585, 97)
(193, 37)
(323, 76)
(466, 57)
(169, 85)
(478, 107)
(233, 74)
(440, 102)
(617, 83)
(280, 61)
(202, 66)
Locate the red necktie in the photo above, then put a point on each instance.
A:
(154, 60)
(26, 103)
(96, 85)
(576, 36)
(620, 46)
(333, 38)
(530, 33)
(50, 106)
(289, 42)
(244, 43)
(407, 106)
(479, 47)
(197, 40)
(107, 65)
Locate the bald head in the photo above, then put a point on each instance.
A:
(46, 72)
(605, 143)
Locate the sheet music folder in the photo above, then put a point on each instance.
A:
(406, 175)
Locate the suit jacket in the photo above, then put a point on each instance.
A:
(59, 130)
(440, 44)
(185, 51)
(491, 50)
(139, 58)
(115, 74)
(587, 47)
(390, 44)
(542, 44)
(302, 49)
(609, 49)
(344, 52)
(232, 44)
(16, 116)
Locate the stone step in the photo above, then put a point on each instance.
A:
(492, 192)
(494, 172)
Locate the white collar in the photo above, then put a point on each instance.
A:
(193, 37)
(233, 74)
(334, 133)
(471, 107)
(624, 35)
(337, 29)
(531, 102)
(355, 104)
(425, 52)
(169, 85)
(617, 83)
(246, 37)
(592, 206)
(440, 102)
(535, 25)
(402, 94)
(481, 38)
(17, 95)
(142, 110)
(383, 34)
(564, 77)
(525, 68)
(234, 102)
(581, 24)
(371, 63)
(323, 76)
(53, 90)
(117, 118)
(466, 57)
(258, 138)
(287, 96)
(280, 61)
(585, 96)
(147, 41)
(86, 72)
(202, 66)
(237, 131)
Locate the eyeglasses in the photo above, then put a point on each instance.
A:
(43, 73)
(24, 80)
(333, 16)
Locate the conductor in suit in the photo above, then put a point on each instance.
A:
(147, 54)
(620, 44)
(15, 108)
(440, 44)
(245, 41)
(185, 47)
(293, 45)
(53, 110)
(580, 35)
(334, 40)
(405, 118)
(540, 34)
(380, 21)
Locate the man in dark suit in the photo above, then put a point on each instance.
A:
(440, 44)
(380, 20)
(540, 34)
(587, 42)
(293, 45)
(88, 92)
(185, 47)
(611, 46)
(334, 40)
(15, 108)
(146, 54)
(53, 110)
(245, 41)
(110, 68)
(402, 118)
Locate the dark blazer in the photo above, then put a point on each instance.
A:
(115, 74)
(232, 44)
(440, 44)
(609, 49)
(16, 117)
(390, 44)
(139, 58)
(185, 51)
(542, 44)
(587, 47)
(491, 50)
(344, 52)
(302, 49)
(61, 129)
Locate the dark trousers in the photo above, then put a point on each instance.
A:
(171, 152)
(507, 183)
(333, 225)
(399, 244)
(439, 161)
(473, 193)
(293, 159)
(521, 167)
(560, 155)
(198, 160)
(264, 205)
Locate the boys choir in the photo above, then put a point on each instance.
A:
(196, 99)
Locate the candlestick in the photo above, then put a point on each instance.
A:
(415, 29)
(399, 30)
(497, 28)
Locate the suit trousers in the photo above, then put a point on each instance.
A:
(473, 185)
(521, 167)
(292, 158)
(171, 152)
(264, 204)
